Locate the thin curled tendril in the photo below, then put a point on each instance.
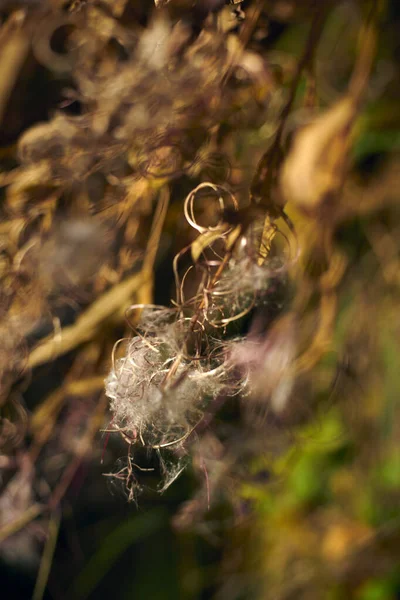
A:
(188, 207)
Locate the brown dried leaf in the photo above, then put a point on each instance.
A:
(313, 172)
(203, 241)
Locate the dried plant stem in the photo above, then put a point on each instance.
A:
(29, 515)
(145, 293)
(156, 230)
(14, 46)
(44, 417)
(263, 178)
(87, 324)
(111, 303)
(330, 281)
(366, 55)
(84, 446)
(47, 557)
(262, 183)
(244, 38)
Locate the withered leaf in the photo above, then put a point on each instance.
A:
(313, 172)
(203, 241)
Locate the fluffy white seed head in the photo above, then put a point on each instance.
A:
(158, 395)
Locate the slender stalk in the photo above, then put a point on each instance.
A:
(47, 557)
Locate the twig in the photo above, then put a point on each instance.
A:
(156, 230)
(29, 515)
(14, 46)
(45, 415)
(145, 293)
(244, 38)
(47, 557)
(263, 178)
(86, 325)
(84, 446)
(111, 303)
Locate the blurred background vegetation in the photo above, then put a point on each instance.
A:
(105, 107)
